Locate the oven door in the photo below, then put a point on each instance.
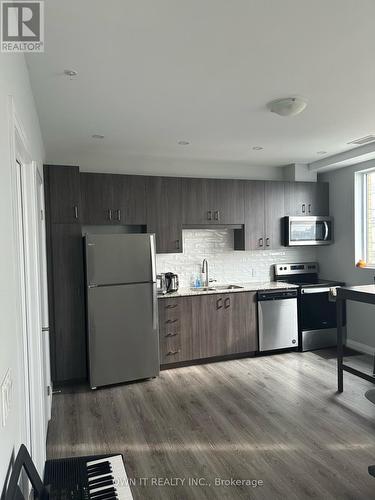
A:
(302, 231)
(317, 317)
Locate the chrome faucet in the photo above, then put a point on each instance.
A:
(205, 266)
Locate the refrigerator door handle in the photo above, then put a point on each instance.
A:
(153, 263)
(155, 322)
(153, 277)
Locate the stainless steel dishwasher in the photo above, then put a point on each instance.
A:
(278, 319)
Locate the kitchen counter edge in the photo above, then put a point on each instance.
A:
(246, 287)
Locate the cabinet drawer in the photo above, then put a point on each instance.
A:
(170, 348)
(175, 332)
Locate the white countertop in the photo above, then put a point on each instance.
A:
(247, 287)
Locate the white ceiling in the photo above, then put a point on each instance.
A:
(153, 72)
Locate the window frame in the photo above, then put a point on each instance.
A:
(361, 207)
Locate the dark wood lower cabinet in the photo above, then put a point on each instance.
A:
(206, 326)
(68, 339)
(176, 339)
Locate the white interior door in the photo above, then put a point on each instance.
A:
(31, 267)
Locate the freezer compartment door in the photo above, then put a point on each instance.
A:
(123, 333)
(120, 258)
(278, 324)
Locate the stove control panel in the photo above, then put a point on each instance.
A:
(296, 268)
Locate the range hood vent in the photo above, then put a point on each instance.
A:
(363, 140)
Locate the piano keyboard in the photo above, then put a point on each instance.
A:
(107, 479)
(100, 477)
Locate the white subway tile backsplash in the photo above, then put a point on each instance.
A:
(225, 264)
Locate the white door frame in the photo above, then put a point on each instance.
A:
(43, 284)
(25, 215)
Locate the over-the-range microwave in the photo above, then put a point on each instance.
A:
(308, 230)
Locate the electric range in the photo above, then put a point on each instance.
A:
(316, 305)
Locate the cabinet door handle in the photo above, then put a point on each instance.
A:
(171, 306)
(303, 208)
(171, 353)
(119, 215)
(178, 244)
(267, 242)
(217, 215)
(110, 214)
(309, 208)
(171, 334)
(169, 321)
(227, 303)
(260, 242)
(76, 211)
(209, 215)
(219, 303)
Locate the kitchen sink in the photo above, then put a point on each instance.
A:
(228, 287)
(219, 287)
(203, 289)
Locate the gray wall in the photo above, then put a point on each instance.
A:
(337, 261)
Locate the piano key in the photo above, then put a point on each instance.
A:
(121, 485)
(94, 495)
(106, 496)
(101, 473)
(100, 479)
(105, 491)
(105, 482)
(96, 468)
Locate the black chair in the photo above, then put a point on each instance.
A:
(23, 462)
(370, 395)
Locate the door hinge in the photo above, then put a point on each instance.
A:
(48, 390)
(41, 215)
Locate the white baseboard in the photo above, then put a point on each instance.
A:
(358, 346)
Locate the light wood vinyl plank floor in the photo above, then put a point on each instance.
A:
(275, 418)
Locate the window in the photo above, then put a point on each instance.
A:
(365, 217)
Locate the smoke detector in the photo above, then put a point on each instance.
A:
(289, 106)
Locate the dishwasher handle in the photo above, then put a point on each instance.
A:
(277, 295)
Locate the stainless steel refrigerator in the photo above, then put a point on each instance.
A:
(122, 311)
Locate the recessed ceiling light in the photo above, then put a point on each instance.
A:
(258, 148)
(183, 143)
(97, 136)
(70, 72)
(321, 152)
(289, 106)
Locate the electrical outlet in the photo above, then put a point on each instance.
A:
(6, 397)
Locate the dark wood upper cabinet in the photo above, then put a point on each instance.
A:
(264, 210)
(129, 199)
(212, 201)
(164, 213)
(113, 199)
(68, 340)
(97, 199)
(307, 198)
(254, 193)
(274, 207)
(64, 186)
